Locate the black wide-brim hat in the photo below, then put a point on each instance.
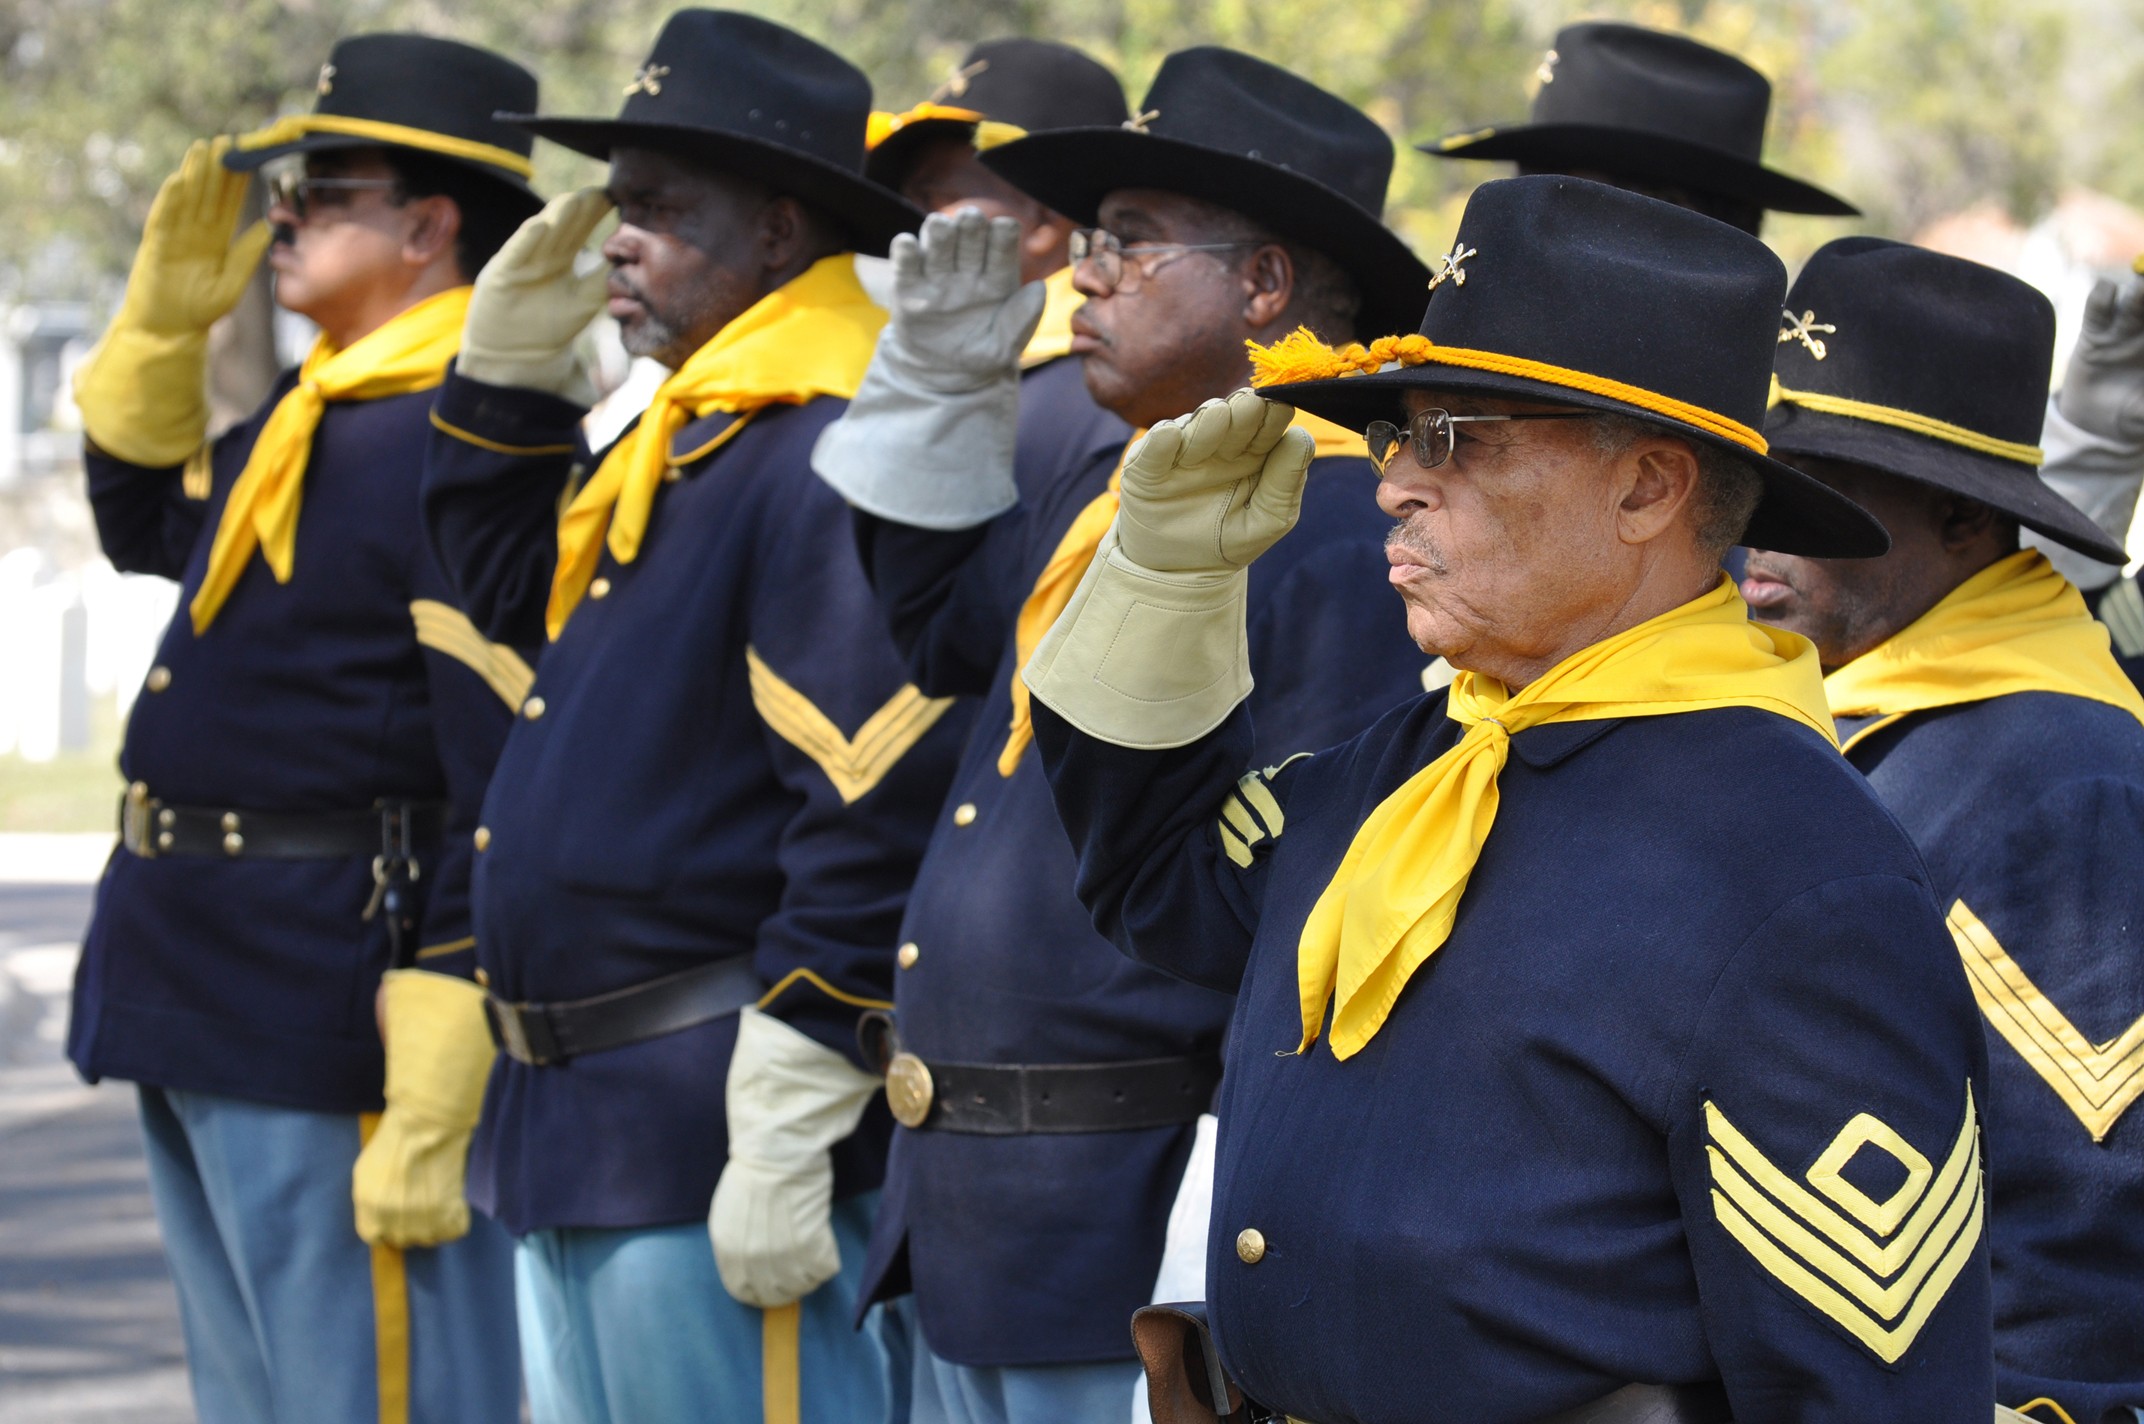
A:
(1930, 368)
(1577, 294)
(1660, 108)
(750, 97)
(1250, 137)
(432, 96)
(1032, 86)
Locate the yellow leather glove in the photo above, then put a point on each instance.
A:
(408, 1183)
(143, 391)
(1152, 652)
(1211, 491)
(529, 306)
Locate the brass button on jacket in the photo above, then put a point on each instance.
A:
(599, 589)
(964, 814)
(533, 708)
(159, 678)
(482, 838)
(907, 955)
(1250, 1246)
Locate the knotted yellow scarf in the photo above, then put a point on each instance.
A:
(409, 353)
(1392, 902)
(2016, 626)
(811, 337)
(1061, 575)
(1053, 334)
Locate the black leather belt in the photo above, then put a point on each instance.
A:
(151, 828)
(543, 1034)
(1187, 1384)
(1018, 1099)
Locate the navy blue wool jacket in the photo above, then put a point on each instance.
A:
(358, 681)
(1034, 1250)
(1690, 1093)
(2029, 810)
(723, 756)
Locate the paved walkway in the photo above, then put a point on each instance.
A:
(89, 1328)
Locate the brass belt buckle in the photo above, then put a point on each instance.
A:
(909, 1090)
(136, 832)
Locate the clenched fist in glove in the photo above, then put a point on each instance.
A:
(529, 304)
(407, 1187)
(928, 440)
(143, 392)
(1151, 652)
(790, 1099)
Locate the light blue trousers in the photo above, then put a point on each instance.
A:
(634, 1327)
(288, 1317)
(946, 1393)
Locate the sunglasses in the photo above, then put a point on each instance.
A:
(1431, 433)
(1106, 253)
(302, 195)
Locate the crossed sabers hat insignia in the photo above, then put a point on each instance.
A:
(648, 79)
(1804, 328)
(1449, 266)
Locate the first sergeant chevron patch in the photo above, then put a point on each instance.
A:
(1876, 1269)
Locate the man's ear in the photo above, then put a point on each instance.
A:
(1961, 521)
(435, 223)
(789, 239)
(1269, 286)
(1658, 478)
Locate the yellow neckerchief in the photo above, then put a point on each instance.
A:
(408, 353)
(1061, 575)
(2016, 626)
(812, 336)
(1053, 334)
(1392, 902)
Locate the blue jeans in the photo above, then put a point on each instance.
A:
(288, 1317)
(633, 1327)
(946, 1393)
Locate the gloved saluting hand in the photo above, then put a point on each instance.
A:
(2094, 436)
(407, 1187)
(529, 305)
(928, 440)
(790, 1099)
(143, 391)
(2104, 389)
(1151, 652)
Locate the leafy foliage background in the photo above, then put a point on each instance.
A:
(1914, 108)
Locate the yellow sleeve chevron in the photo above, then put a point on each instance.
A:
(447, 629)
(854, 765)
(1239, 828)
(1879, 1291)
(2096, 1081)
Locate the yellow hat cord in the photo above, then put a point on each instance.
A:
(1301, 356)
(1910, 421)
(299, 126)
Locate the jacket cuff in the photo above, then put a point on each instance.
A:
(508, 420)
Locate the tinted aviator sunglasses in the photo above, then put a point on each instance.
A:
(1431, 433)
(301, 194)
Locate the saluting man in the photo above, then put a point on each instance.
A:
(1972, 686)
(1655, 113)
(308, 760)
(1556, 1092)
(707, 819)
(1048, 1091)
